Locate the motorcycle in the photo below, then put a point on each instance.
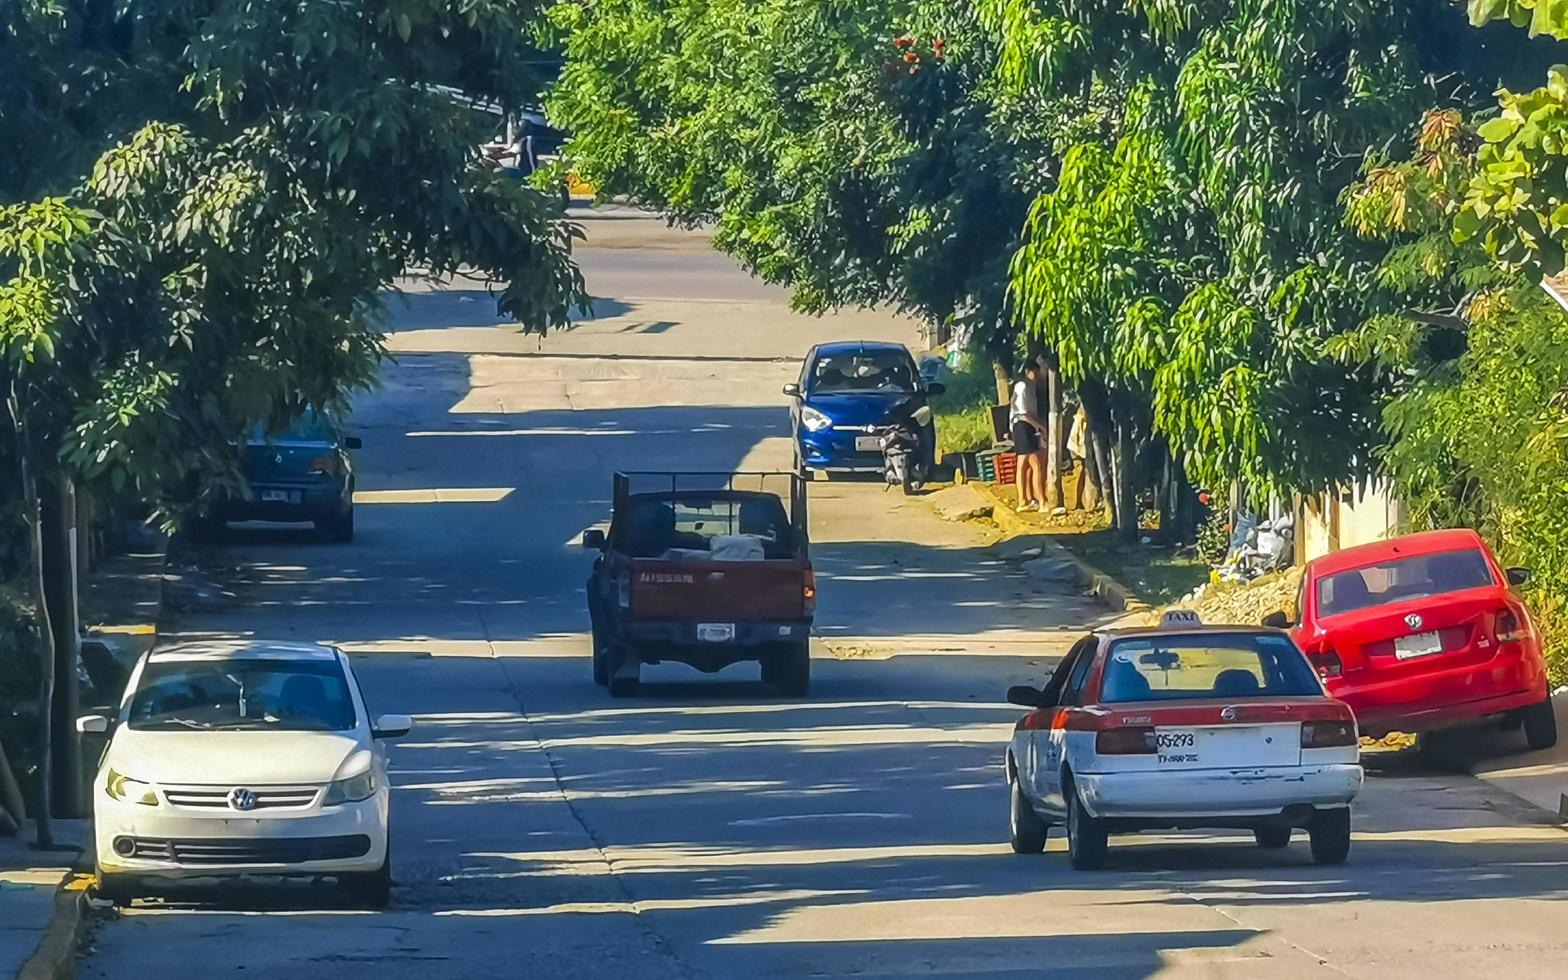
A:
(903, 457)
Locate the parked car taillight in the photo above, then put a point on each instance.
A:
(328, 464)
(809, 598)
(1328, 734)
(1125, 741)
(1327, 664)
(1509, 627)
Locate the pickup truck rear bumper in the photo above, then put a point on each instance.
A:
(663, 633)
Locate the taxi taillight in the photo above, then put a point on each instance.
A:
(1125, 741)
(1328, 734)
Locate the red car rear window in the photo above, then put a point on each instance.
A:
(1399, 579)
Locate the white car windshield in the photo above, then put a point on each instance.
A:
(1215, 665)
(239, 695)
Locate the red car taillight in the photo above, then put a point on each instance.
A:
(1509, 628)
(1125, 741)
(809, 593)
(1327, 664)
(1328, 734)
(328, 464)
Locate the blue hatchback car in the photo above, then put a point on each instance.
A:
(847, 395)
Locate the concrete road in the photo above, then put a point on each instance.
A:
(708, 829)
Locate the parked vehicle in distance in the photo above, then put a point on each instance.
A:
(1425, 632)
(849, 394)
(696, 571)
(243, 759)
(903, 456)
(304, 474)
(1182, 726)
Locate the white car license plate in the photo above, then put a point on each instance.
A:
(1418, 645)
(715, 632)
(867, 444)
(276, 496)
(1176, 746)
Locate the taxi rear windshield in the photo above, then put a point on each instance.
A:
(1403, 578)
(1186, 668)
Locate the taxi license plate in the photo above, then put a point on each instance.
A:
(715, 632)
(1176, 746)
(867, 444)
(1419, 645)
(277, 496)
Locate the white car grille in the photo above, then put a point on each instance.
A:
(214, 798)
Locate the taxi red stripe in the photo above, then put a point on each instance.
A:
(1209, 712)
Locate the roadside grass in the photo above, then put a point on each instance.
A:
(963, 412)
(1155, 573)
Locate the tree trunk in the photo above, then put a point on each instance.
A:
(1097, 446)
(1055, 436)
(11, 801)
(31, 508)
(60, 542)
(1125, 504)
(1004, 382)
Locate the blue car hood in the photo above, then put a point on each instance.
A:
(858, 408)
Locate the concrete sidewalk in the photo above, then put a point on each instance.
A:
(40, 913)
(1540, 778)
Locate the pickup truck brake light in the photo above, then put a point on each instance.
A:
(809, 593)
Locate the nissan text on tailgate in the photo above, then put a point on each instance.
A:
(705, 570)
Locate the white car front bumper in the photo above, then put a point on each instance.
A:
(171, 842)
(1218, 793)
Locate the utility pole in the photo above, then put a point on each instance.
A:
(58, 507)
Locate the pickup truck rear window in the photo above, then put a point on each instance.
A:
(1214, 665)
(693, 526)
(1403, 578)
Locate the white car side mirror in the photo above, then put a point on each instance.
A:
(92, 724)
(391, 726)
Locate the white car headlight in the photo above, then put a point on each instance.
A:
(351, 790)
(122, 787)
(814, 420)
(923, 416)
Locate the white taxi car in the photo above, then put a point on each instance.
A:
(1179, 727)
(243, 758)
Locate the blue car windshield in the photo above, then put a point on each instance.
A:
(863, 371)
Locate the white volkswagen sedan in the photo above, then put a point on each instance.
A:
(243, 759)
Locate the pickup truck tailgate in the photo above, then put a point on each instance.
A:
(731, 591)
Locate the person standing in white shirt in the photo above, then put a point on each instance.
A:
(1028, 434)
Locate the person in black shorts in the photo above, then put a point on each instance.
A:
(1028, 439)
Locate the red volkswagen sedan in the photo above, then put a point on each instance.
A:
(1425, 632)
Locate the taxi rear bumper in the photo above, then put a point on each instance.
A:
(1220, 793)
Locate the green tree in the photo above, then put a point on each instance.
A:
(212, 195)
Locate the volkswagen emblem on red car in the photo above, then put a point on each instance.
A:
(242, 799)
(1413, 621)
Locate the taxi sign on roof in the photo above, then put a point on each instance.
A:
(1180, 617)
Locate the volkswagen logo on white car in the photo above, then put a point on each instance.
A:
(242, 799)
(1227, 714)
(1413, 621)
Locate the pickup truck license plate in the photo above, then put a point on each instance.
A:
(867, 444)
(277, 496)
(715, 632)
(1418, 645)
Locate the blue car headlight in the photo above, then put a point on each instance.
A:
(814, 420)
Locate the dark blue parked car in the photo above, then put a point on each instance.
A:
(848, 394)
(302, 474)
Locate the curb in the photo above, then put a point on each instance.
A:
(1106, 590)
(55, 957)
